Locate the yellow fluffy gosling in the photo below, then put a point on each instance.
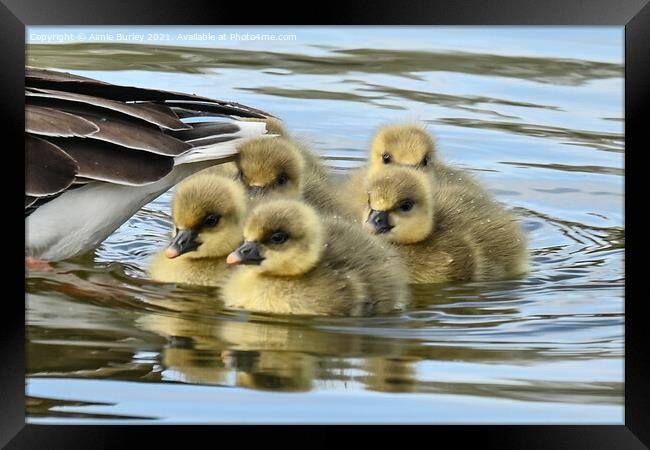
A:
(443, 231)
(295, 262)
(208, 212)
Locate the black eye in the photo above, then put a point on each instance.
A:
(425, 161)
(386, 157)
(210, 220)
(406, 205)
(279, 237)
(283, 179)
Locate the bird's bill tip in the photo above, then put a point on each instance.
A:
(370, 228)
(172, 252)
(233, 258)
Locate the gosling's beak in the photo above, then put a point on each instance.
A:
(183, 242)
(254, 191)
(247, 253)
(378, 222)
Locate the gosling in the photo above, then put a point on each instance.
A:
(407, 145)
(208, 212)
(295, 262)
(274, 127)
(281, 167)
(444, 232)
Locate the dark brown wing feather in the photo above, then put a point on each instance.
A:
(115, 128)
(203, 129)
(119, 134)
(29, 201)
(48, 79)
(183, 113)
(52, 122)
(171, 122)
(81, 180)
(49, 170)
(113, 163)
(221, 108)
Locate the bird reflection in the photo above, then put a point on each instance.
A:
(285, 357)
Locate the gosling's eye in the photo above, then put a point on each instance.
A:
(279, 237)
(425, 161)
(406, 205)
(386, 157)
(283, 179)
(210, 220)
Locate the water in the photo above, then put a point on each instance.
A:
(535, 113)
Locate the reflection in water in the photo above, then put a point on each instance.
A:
(269, 356)
(544, 133)
(601, 141)
(371, 61)
(42, 407)
(195, 343)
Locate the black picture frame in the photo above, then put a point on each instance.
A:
(633, 14)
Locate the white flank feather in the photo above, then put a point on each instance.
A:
(226, 149)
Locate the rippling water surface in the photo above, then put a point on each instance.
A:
(535, 113)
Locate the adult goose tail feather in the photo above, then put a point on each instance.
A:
(88, 141)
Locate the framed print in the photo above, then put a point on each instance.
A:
(406, 214)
